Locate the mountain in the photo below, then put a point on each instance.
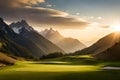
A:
(16, 44)
(102, 44)
(21, 45)
(22, 28)
(67, 44)
(112, 53)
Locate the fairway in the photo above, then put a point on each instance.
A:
(71, 68)
(41, 67)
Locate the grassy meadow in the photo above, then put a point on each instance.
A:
(64, 68)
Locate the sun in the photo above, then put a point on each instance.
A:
(116, 28)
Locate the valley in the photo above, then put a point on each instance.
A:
(59, 40)
(69, 67)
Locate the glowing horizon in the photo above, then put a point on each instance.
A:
(86, 20)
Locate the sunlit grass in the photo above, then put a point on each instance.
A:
(69, 67)
(41, 67)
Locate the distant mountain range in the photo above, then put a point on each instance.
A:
(67, 44)
(22, 40)
(107, 48)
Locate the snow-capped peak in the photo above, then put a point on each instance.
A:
(20, 26)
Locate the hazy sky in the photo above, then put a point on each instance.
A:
(86, 20)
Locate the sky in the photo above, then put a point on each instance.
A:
(86, 20)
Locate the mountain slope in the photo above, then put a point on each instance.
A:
(102, 44)
(112, 53)
(67, 44)
(22, 28)
(6, 60)
(16, 44)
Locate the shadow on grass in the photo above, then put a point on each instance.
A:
(89, 75)
(69, 61)
(53, 63)
(66, 63)
(78, 60)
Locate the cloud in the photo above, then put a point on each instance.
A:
(49, 5)
(105, 26)
(77, 14)
(19, 3)
(38, 16)
(100, 18)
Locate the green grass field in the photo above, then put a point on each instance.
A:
(65, 68)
